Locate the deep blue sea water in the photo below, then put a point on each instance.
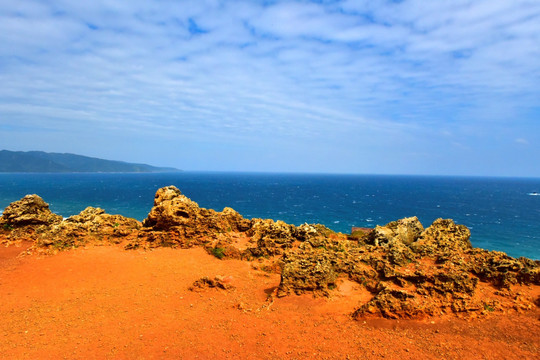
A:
(502, 213)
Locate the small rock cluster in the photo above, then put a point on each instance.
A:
(218, 282)
(411, 271)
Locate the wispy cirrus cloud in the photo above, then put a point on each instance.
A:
(274, 83)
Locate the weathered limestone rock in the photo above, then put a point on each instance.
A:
(394, 304)
(410, 271)
(180, 221)
(502, 270)
(30, 210)
(91, 225)
(173, 209)
(443, 236)
(218, 282)
(95, 220)
(405, 231)
(271, 237)
(311, 270)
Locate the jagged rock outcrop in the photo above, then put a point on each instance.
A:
(425, 291)
(311, 271)
(31, 210)
(411, 271)
(395, 303)
(31, 219)
(25, 219)
(443, 236)
(176, 220)
(502, 270)
(92, 225)
(96, 221)
(404, 231)
(275, 238)
(271, 237)
(174, 210)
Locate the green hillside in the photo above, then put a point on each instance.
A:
(39, 161)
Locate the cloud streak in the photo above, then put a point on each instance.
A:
(344, 76)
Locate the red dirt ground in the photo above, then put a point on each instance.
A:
(108, 303)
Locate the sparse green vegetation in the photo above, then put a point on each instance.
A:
(62, 245)
(7, 227)
(218, 252)
(332, 286)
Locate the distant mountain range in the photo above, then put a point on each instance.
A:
(39, 161)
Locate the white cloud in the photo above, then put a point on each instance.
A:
(301, 71)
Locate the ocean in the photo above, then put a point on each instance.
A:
(502, 213)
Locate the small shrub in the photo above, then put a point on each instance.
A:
(332, 286)
(62, 245)
(7, 227)
(218, 252)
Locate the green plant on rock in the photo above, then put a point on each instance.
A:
(218, 252)
(332, 286)
(7, 227)
(62, 245)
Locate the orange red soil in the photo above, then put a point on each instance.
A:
(108, 303)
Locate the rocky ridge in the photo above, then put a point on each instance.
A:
(410, 271)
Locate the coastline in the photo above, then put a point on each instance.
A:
(499, 213)
(193, 282)
(410, 271)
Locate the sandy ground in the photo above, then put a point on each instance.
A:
(108, 303)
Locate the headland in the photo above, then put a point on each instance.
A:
(202, 274)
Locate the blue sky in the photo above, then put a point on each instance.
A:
(388, 87)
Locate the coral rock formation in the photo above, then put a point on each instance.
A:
(90, 225)
(176, 220)
(411, 271)
(405, 231)
(30, 210)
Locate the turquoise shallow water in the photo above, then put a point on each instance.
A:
(502, 213)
